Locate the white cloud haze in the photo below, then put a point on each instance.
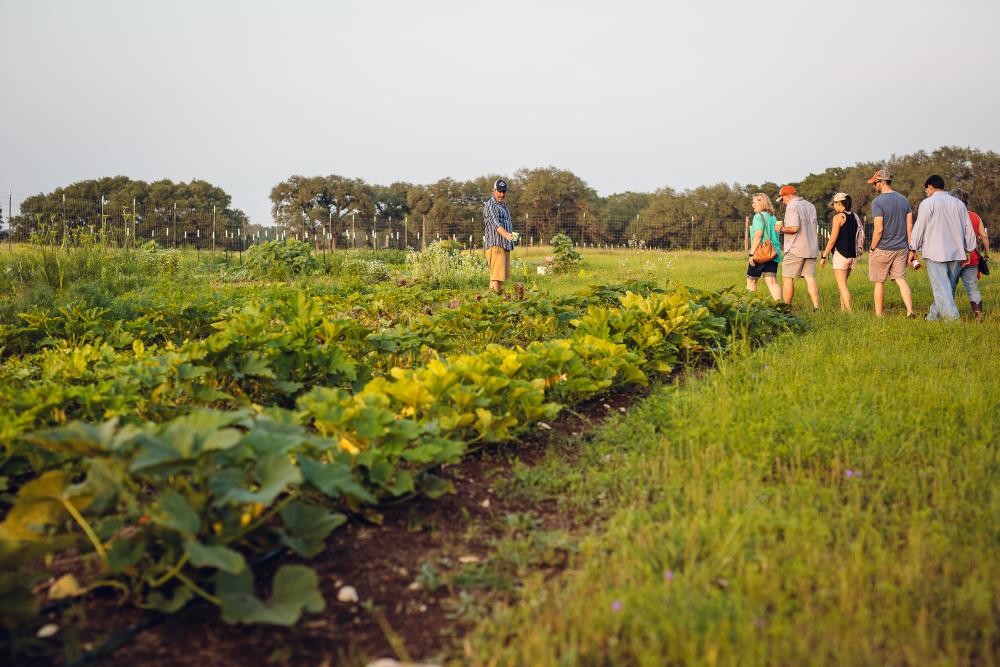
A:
(628, 95)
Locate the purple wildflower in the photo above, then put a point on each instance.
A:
(668, 576)
(454, 303)
(852, 473)
(616, 606)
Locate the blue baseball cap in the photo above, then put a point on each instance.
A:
(500, 185)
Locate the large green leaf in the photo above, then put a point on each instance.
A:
(102, 484)
(309, 526)
(154, 450)
(268, 437)
(123, 554)
(221, 440)
(170, 605)
(214, 555)
(84, 439)
(173, 511)
(188, 436)
(256, 365)
(274, 473)
(294, 590)
(39, 506)
(372, 421)
(335, 480)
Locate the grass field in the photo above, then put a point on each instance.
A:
(828, 498)
(832, 498)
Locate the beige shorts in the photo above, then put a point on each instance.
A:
(841, 263)
(796, 267)
(883, 264)
(499, 261)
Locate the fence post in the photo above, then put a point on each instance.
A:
(423, 235)
(10, 225)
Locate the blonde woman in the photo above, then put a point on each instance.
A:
(763, 227)
(843, 245)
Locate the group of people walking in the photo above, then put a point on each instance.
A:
(947, 235)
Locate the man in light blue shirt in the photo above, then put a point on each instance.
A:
(943, 234)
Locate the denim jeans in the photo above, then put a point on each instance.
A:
(944, 278)
(970, 278)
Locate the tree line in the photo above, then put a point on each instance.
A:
(543, 201)
(126, 209)
(546, 200)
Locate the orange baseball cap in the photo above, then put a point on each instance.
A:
(881, 175)
(787, 191)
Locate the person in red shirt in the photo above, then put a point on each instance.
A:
(970, 269)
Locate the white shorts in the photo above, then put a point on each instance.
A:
(841, 263)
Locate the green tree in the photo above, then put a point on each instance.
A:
(550, 200)
(318, 205)
(128, 209)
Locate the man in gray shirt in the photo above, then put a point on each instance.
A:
(943, 234)
(890, 246)
(800, 246)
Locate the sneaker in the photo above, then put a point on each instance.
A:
(911, 316)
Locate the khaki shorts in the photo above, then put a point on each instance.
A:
(841, 263)
(499, 261)
(883, 264)
(796, 267)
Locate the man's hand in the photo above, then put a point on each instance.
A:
(777, 227)
(515, 237)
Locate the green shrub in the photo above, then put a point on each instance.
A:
(361, 267)
(566, 256)
(444, 264)
(82, 261)
(391, 256)
(281, 259)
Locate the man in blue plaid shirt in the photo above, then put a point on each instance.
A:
(499, 236)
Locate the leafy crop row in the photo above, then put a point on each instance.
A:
(180, 501)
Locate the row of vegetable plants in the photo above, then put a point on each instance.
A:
(266, 352)
(177, 498)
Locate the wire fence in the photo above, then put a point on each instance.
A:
(214, 229)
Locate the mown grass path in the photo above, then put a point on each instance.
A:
(833, 498)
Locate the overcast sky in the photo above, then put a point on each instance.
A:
(627, 95)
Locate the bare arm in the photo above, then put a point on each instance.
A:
(984, 238)
(879, 226)
(838, 220)
(909, 236)
(917, 238)
(754, 242)
(791, 215)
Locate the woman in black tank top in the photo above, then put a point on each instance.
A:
(843, 245)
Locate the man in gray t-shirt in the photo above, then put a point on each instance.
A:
(800, 245)
(890, 247)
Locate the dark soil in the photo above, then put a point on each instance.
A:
(395, 617)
